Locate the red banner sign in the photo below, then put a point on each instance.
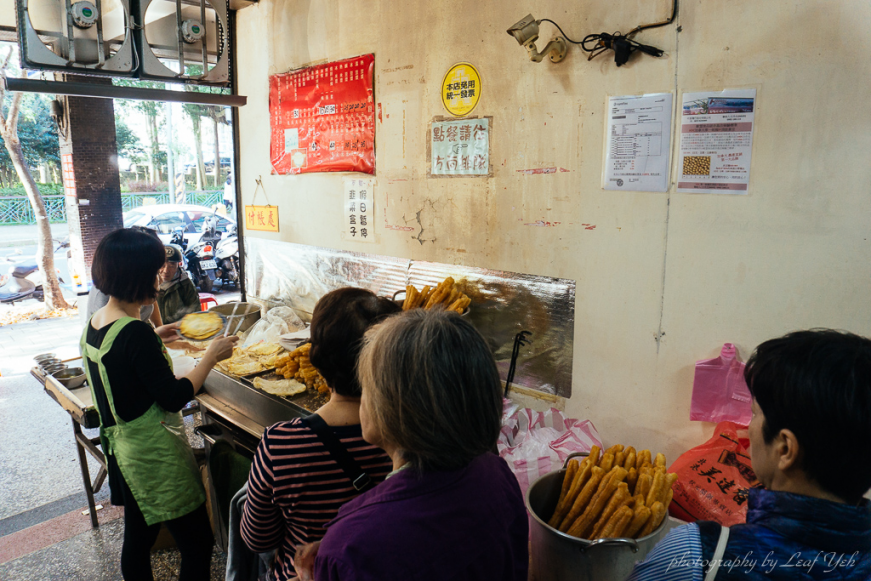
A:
(323, 118)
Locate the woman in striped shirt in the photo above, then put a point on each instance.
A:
(296, 486)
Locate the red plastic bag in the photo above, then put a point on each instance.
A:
(714, 478)
(720, 393)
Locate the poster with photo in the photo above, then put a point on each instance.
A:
(716, 142)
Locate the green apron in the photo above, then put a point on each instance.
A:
(152, 451)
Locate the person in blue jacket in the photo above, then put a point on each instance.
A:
(810, 446)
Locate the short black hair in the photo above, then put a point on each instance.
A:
(817, 384)
(339, 321)
(126, 264)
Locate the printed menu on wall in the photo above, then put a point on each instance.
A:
(359, 209)
(716, 141)
(323, 118)
(638, 143)
(460, 147)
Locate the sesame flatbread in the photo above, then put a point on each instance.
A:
(201, 326)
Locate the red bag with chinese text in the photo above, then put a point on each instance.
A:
(714, 478)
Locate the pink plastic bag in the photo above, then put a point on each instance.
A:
(720, 393)
(535, 443)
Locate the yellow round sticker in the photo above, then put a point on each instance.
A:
(461, 89)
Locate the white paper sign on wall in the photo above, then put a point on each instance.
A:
(461, 147)
(359, 209)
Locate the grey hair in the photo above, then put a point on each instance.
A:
(434, 388)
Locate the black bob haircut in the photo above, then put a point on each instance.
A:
(817, 384)
(126, 264)
(339, 321)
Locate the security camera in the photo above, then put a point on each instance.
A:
(525, 32)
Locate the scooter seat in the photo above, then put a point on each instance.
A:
(23, 270)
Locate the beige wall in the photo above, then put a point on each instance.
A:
(702, 269)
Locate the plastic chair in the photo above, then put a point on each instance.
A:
(205, 299)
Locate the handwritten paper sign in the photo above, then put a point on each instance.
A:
(359, 209)
(461, 147)
(261, 218)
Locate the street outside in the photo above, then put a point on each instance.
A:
(27, 336)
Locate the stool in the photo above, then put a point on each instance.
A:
(205, 299)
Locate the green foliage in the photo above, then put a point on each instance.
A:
(36, 131)
(44, 189)
(127, 142)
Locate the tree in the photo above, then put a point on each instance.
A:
(37, 133)
(216, 114)
(127, 142)
(54, 299)
(152, 112)
(196, 113)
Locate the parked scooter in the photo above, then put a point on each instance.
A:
(202, 267)
(24, 281)
(227, 257)
(19, 284)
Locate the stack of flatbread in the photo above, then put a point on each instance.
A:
(250, 360)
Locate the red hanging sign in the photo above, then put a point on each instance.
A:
(323, 118)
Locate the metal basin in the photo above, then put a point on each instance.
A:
(70, 378)
(45, 357)
(556, 556)
(246, 315)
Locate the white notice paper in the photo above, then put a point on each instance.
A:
(716, 139)
(638, 143)
(359, 208)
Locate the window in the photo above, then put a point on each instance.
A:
(133, 217)
(166, 223)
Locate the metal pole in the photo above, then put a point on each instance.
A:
(237, 159)
(170, 168)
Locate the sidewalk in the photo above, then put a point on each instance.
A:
(25, 234)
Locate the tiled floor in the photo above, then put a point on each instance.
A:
(43, 533)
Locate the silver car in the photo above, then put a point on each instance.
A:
(165, 218)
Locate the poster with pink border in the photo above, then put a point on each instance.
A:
(716, 142)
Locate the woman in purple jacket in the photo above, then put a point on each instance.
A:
(450, 509)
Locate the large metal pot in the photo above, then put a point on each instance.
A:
(557, 556)
(245, 316)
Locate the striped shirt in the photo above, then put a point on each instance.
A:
(677, 557)
(295, 488)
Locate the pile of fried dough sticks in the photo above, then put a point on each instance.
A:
(622, 494)
(446, 294)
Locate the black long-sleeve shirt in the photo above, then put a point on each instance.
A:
(139, 376)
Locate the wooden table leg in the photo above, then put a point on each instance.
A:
(86, 476)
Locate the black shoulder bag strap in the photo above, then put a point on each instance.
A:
(340, 454)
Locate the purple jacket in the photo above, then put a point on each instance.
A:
(467, 524)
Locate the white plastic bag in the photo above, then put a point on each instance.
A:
(535, 443)
(277, 322)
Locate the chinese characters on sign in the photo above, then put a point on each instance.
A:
(323, 118)
(716, 140)
(460, 147)
(461, 89)
(68, 175)
(638, 143)
(359, 209)
(261, 218)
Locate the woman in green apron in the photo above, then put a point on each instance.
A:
(152, 471)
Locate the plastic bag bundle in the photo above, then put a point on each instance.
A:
(535, 443)
(277, 322)
(714, 478)
(720, 393)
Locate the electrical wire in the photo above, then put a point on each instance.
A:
(560, 30)
(638, 29)
(619, 43)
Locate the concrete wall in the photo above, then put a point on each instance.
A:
(663, 279)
